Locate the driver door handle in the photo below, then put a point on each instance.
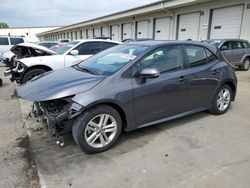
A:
(182, 79)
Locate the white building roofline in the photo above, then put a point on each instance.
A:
(152, 7)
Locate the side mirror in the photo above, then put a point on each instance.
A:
(74, 52)
(150, 73)
(222, 48)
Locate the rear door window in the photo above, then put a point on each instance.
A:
(106, 45)
(89, 48)
(235, 45)
(210, 56)
(4, 41)
(15, 41)
(196, 55)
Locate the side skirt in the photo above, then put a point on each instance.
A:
(173, 117)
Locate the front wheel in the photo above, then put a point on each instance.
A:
(222, 100)
(246, 64)
(97, 129)
(32, 74)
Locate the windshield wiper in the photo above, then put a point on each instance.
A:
(85, 70)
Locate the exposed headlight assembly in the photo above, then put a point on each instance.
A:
(19, 67)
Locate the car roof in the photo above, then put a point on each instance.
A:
(228, 39)
(98, 40)
(12, 36)
(47, 42)
(156, 43)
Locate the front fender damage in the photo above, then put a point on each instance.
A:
(56, 114)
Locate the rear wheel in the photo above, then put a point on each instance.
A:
(246, 64)
(97, 129)
(32, 74)
(222, 100)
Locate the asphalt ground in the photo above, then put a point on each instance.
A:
(16, 165)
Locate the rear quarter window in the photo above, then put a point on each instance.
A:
(15, 41)
(4, 41)
(245, 45)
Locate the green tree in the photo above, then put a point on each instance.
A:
(3, 25)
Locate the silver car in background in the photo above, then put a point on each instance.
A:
(234, 51)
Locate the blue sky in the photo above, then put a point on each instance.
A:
(24, 13)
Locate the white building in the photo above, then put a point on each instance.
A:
(28, 32)
(166, 20)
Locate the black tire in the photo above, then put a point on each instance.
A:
(80, 124)
(31, 74)
(1, 82)
(215, 109)
(246, 65)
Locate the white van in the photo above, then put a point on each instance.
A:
(6, 42)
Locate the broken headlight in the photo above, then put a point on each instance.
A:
(19, 67)
(57, 107)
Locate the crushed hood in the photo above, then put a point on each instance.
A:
(58, 84)
(23, 48)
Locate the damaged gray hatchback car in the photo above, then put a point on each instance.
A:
(128, 87)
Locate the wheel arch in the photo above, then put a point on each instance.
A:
(47, 68)
(114, 105)
(232, 85)
(246, 56)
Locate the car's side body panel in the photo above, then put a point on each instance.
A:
(143, 102)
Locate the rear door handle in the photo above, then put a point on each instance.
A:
(182, 78)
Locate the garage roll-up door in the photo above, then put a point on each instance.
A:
(188, 27)
(115, 32)
(89, 33)
(142, 29)
(97, 32)
(105, 31)
(126, 31)
(162, 29)
(226, 22)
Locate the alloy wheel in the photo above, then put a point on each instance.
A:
(246, 64)
(100, 130)
(223, 99)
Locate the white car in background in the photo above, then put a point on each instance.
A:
(6, 42)
(24, 50)
(67, 55)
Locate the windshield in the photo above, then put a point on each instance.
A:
(65, 47)
(111, 60)
(215, 43)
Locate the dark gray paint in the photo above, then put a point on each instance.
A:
(155, 100)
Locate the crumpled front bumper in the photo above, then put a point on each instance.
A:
(56, 121)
